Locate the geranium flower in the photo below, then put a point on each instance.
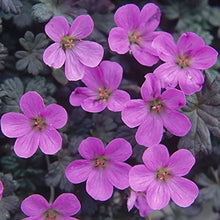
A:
(135, 32)
(183, 61)
(69, 48)
(161, 177)
(101, 91)
(1, 189)
(37, 207)
(139, 200)
(102, 167)
(154, 111)
(37, 126)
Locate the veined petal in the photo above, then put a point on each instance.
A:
(55, 116)
(38, 217)
(103, 188)
(66, 204)
(54, 56)
(93, 105)
(183, 191)
(134, 113)
(57, 28)
(176, 122)
(78, 171)
(32, 104)
(131, 200)
(118, 40)
(15, 125)
(142, 205)
(181, 162)
(81, 27)
(50, 141)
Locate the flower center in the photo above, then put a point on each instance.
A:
(134, 37)
(51, 214)
(68, 42)
(156, 105)
(162, 174)
(183, 61)
(100, 162)
(103, 94)
(39, 123)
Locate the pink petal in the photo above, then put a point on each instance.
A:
(81, 27)
(91, 147)
(181, 162)
(143, 56)
(57, 28)
(89, 53)
(156, 157)
(34, 205)
(118, 150)
(158, 195)
(140, 177)
(74, 69)
(150, 17)
(117, 174)
(173, 99)
(27, 145)
(1, 189)
(103, 188)
(150, 132)
(50, 141)
(204, 58)
(55, 116)
(127, 16)
(67, 218)
(118, 40)
(32, 104)
(118, 100)
(131, 200)
(175, 122)
(54, 56)
(39, 217)
(142, 205)
(15, 124)
(78, 171)
(66, 204)
(183, 191)
(93, 105)
(134, 113)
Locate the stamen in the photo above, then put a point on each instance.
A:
(100, 162)
(162, 174)
(51, 214)
(183, 61)
(156, 105)
(68, 42)
(135, 37)
(39, 123)
(103, 94)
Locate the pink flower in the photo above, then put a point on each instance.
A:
(69, 48)
(154, 111)
(1, 189)
(37, 126)
(102, 168)
(139, 200)
(101, 91)
(37, 207)
(184, 61)
(135, 32)
(161, 177)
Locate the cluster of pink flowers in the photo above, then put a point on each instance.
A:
(160, 177)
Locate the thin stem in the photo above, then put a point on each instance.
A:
(215, 174)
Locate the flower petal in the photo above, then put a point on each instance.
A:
(134, 113)
(27, 145)
(39, 217)
(181, 162)
(32, 104)
(127, 16)
(175, 122)
(50, 141)
(81, 27)
(156, 157)
(140, 177)
(15, 124)
(118, 150)
(118, 40)
(66, 204)
(142, 205)
(34, 205)
(118, 100)
(55, 116)
(103, 188)
(54, 56)
(158, 195)
(131, 200)
(78, 171)
(91, 147)
(57, 28)
(93, 105)
(183, 191)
